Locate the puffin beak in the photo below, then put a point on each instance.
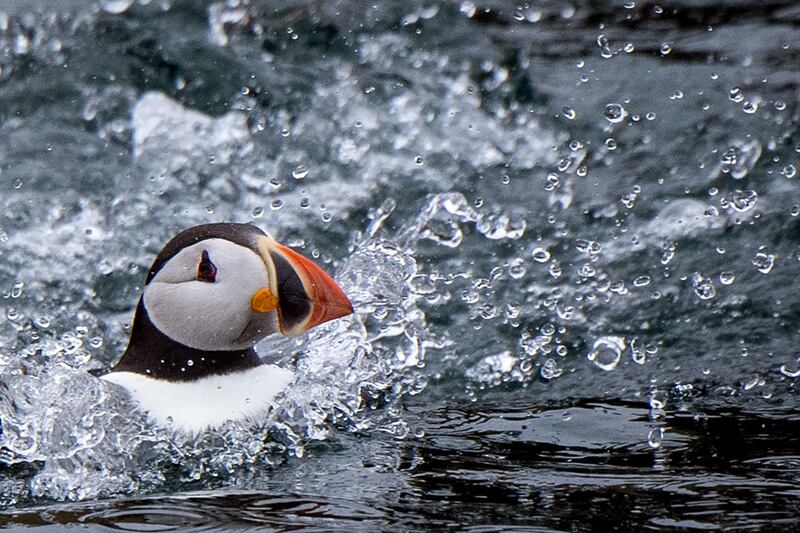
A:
(305, 295)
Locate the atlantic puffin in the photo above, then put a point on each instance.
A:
(212, 293)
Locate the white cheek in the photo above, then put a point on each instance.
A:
(205, 316)
(210, 316)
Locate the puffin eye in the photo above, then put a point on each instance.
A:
(206, 271)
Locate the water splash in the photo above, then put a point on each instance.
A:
(352, 375)
(501, 236)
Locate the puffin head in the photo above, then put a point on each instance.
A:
(223, 287)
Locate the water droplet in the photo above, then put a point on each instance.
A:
(665, 49)
(568, 113)
(17, 183)
(677, 95)
(257, 212)
(727, 277)
(305, 203)
(16, 289)
(703, 286)
(755, 380)
(629, 48)
(791, 371)
(587, 271)
(641, 281)
(789, 171)
(418, 160)
(764, 262)
(655, 437)
(750, 107)
(550, 370)
(615, 113)
(189, 362)
(585, 246)
(780, 105)
(553, 181)
(735, 94)
(668, 253)
(488, 311)
(300, 172)
(637, 351)
(327, 217)
(658, 399)
(540, 255)
(276, 204)
(516, 268)
(611, 144)
(743, 200)
(606, 352)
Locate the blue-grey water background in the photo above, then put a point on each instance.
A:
(570, 230)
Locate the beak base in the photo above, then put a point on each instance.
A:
(326, 299)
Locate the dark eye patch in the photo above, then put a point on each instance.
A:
(206, 270)
(294, 303)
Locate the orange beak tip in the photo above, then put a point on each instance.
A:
(328, 300)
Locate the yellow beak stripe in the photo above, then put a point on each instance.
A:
(263, 301)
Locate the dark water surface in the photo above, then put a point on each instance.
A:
(571, 232)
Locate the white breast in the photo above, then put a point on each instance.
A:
(192, 406)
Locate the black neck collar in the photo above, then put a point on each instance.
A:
(155, 355)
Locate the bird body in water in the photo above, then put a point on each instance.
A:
(212, 293)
